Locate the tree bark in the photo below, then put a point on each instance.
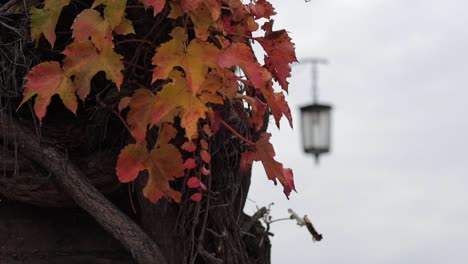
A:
(142, 248)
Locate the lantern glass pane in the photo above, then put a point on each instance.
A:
(316, 131)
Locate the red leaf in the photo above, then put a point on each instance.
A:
(258, 110)
(240, 54)
(196, 197)
(205, 171)
(265, 153)
(204, 144)
(288, 184)
(262, 9)
(189, 146)
(206, 157)
(194, 182)
(158, 5)
(190, 164)
(280, 51)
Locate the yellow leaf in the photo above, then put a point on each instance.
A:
(43, 21)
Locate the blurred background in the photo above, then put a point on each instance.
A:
(393, 188)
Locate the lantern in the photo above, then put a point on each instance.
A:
(316, 129)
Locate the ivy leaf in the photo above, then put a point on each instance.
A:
(265, 153)
(258, 110)
(280, 51)
(196, 59)
(240, 54)
(174, 99)
(44, 21)
(114, 10)
(262, 9)
(158, 5)
(280, 107)
(84, 61)
(90, 25)
(45, 80)
(164, 163)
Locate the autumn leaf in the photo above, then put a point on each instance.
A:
(45, 80)
(114, 10)
(240, 54)
(84, 61)
(157, 5)
(174, 99)
(163, 164)
(195, 60)
(262, 9)
(280, 107)
(265, 153)
(125, 27)
(280, 51)
(90, 25)
(258, 110)
(44, 21)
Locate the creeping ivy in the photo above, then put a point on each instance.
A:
(193, 72)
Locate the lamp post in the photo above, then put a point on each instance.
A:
(316, 118)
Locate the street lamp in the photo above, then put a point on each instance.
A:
(316, 118)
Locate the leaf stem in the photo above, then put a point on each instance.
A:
(226, 125)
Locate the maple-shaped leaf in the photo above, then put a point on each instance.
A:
(45, 80)
(258, 110)
(44, 21)
(163, 163)
(125, 27)
(262, 9)
(84, 61)
(90, 25)
(196, 59)
(281, 53)
(240, 54)
(147, 109)
(280, 107)
(157, 5)
(213, 7)
(114, 10)
(265, 153)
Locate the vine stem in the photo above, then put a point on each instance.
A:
(134, 41)
(226, 125)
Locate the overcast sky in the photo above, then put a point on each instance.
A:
(394, 187)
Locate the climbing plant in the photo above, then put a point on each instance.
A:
(207, 64)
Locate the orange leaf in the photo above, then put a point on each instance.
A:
(195, 60)
(132, 159)
(43, 21)
(265, 153)
(90, 24)
(45, 80)
(148, 109)
(163, 163)
(83, 62)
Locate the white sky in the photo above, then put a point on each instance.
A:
(393, 189)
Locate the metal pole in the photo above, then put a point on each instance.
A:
(315, 62)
